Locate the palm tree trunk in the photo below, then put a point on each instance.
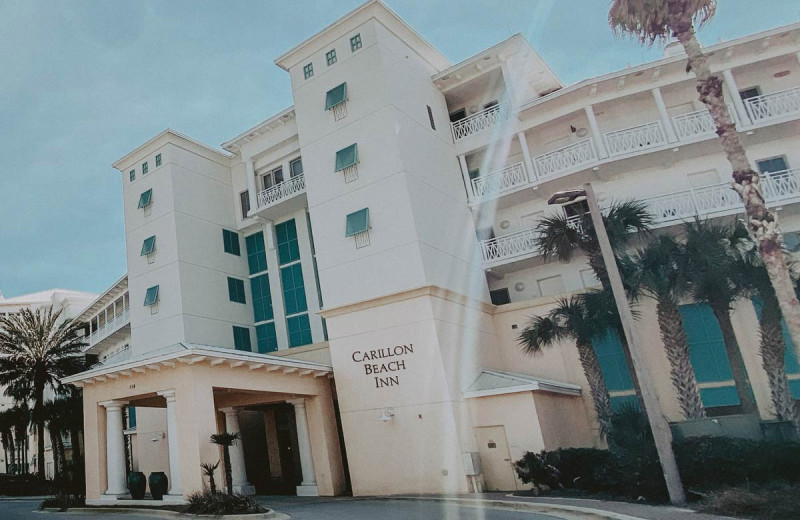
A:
(54, 449)
(62, 455)
(773, 352)
(597, 386)
(670, 323)
(226, 451)
(740, 378)
(761, 223)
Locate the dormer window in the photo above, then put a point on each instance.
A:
(347, 162)
(308, 71)
(336, 100)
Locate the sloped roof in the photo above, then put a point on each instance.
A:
(491, 382)
(46, 296)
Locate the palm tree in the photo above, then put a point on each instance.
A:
(208, 470)
(7, 437)
(37, 348)
(56, 428)
(658, 274)
(21, 417)
(711, 272)
(226, 440)
(650, 21)
(580, 318)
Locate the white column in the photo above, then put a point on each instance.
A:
(269, 233)
(598, 137)
(240, 483)
(736, 99)
(662, 110)
(309, 485)
(172, 443)
(115, 449)
(251, 186)
(462, 161)
(526, 152)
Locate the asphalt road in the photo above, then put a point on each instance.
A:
(317, 509)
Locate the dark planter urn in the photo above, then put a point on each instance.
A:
(158, 485)
(137, 484)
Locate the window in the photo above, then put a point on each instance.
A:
(262, 298)
(294, 291)
(491, 104)
(256, 252)
(458, 115)
(772, 165)
(612, 362)
(749, 93)
(430, 117)
(131, 417)
(500, 296)
(355, 42)
(230, 242)
(144, 167)
(346, 157)
(148, 246)
(299, 330)
(272, 178)
(151, 296)
(236, 290)
(244, 200)
(241, 338)
(158, 160)
(357, 222)
(132, 175)
(288, 246)
(296, 168)
(145, 198)
(308, 71)
(266, 338)
(335, 96)
(330, 57)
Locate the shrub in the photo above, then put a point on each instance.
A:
(24, 485)
(217, 504)
(63, 501)
(766, 502)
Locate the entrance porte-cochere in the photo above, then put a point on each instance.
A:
(282, 408)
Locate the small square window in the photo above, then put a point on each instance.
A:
(296, 168)
(145, 198)
(336, 96)
(132, 175)
(346, 157)
(148, 246)
(236, 290)
(151, 296)
(330, 57)
(500, 296)
(355, 42)
(144, 167)
(230, 242)
(357, 222)
(308, 70)
(241, 338)
(158, 160)
(772, 165)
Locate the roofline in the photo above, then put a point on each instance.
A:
(363, 7)
(526, 385)
(14, 300)
(100, 296)
(667, 60)
(168, 131)
(259, 126)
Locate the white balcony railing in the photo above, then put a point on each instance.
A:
(483, 120)
(122, 354)
(281, 191)
(565, 159)
(635, 139)
(500, 181)
(698, 124)
(507, 247)
(720, 198)
(770, 106)
(110, 327)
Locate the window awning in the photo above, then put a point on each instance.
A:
(336, 96)
(151, 297)
(357, 222)
(149, 245)
(145, 198)
(346, 157)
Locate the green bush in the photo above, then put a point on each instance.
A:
(765, 502)
(208, 503)
(24, 485)
(63, 502)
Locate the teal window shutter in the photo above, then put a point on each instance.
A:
(236, 290)
(357, 222)
(230, 242)
(241, 338)
(299, 330)
(131, 417)
(346, 157)
(335, 96)
(256, 252)
(612, 361)
(266, 338)
(790, 358)
(149, 245)
(146, 198)
(294, 291)
(158, 160)
(262, 298)
(151, 296)
(288, 245)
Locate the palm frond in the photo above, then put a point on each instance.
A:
(651, 20)
(556, 238)
(224, 438)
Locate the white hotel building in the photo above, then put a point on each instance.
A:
(344, 283)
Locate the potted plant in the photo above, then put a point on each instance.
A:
(137, 483)
(158, 485)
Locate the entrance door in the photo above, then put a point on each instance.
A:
(495, 458)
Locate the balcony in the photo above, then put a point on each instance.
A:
(720, 199)
(122, 354)
(281, 191)
(480, 121)
(567, 159)
(773, 106)
(110, 327)
(698, 124)
(515, 246)
(501, 181)
(635, 139)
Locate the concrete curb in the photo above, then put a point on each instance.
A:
(271, 515)
(564, 511)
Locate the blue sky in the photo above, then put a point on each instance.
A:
(84, 82)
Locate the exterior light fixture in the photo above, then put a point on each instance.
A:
(566, 196)
(386, 415)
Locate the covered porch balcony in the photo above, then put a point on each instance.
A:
(280, 192)
(777, 105)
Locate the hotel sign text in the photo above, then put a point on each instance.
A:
(380, 365)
